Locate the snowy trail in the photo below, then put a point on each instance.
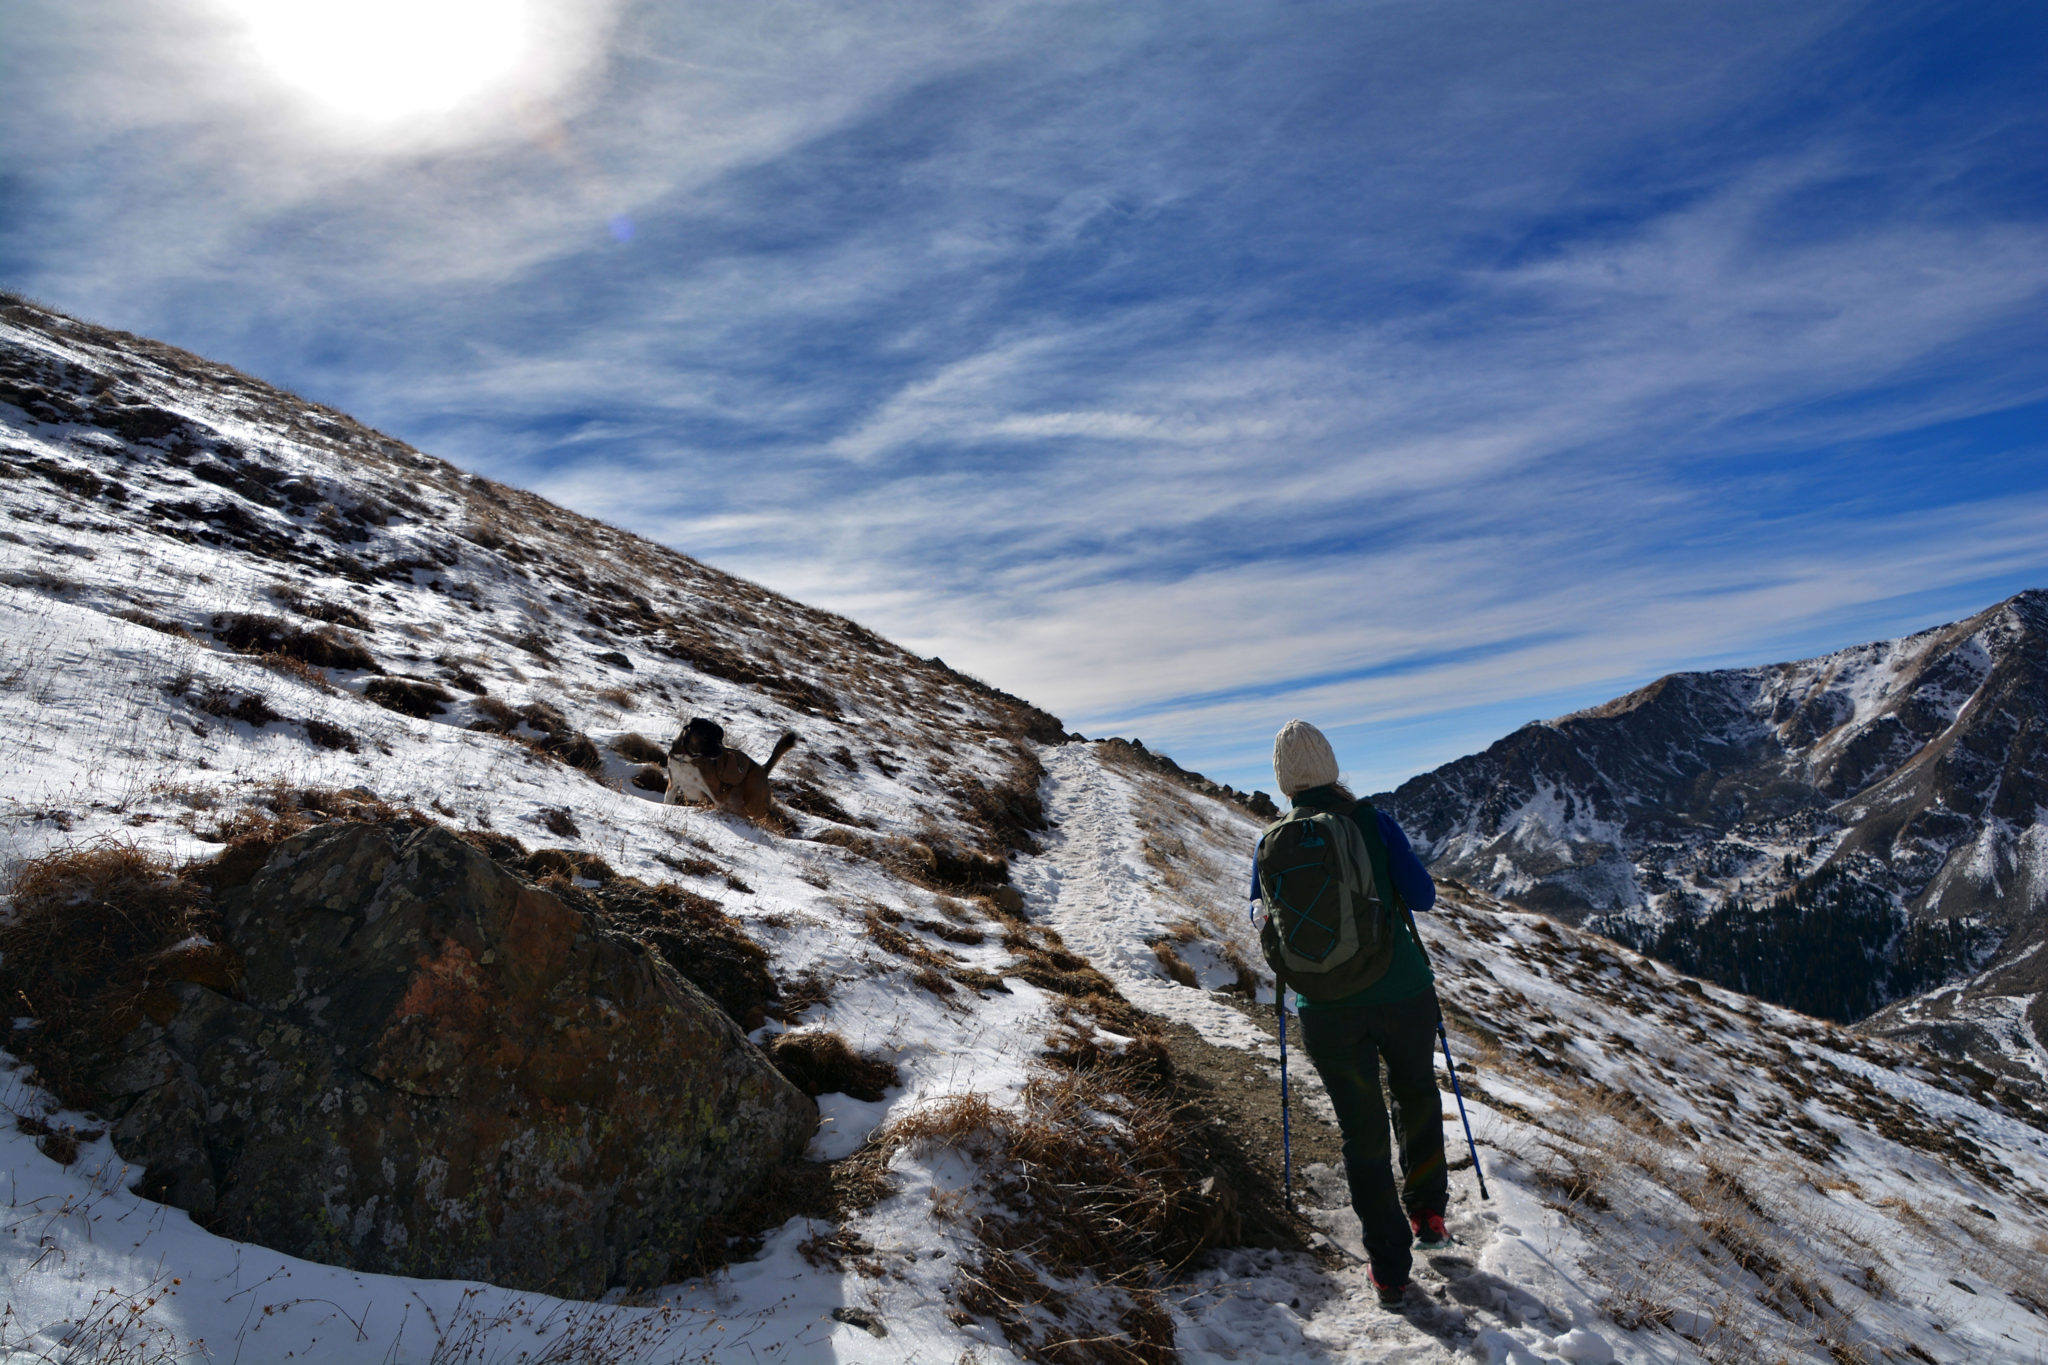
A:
(1093, 886)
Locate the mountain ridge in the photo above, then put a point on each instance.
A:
(1899, 783)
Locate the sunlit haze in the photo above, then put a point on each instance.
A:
(378, 63)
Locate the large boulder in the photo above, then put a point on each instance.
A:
(430, 1067)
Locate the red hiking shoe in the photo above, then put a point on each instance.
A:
(1430, 1232)
(1390, 1294)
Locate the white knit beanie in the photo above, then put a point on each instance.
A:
(1302, 758)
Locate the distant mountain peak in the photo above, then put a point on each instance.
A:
(1899, 783)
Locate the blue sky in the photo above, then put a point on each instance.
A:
(1417, 368)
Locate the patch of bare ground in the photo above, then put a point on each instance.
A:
(1243, 1096)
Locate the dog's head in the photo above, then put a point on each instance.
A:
(701, 738)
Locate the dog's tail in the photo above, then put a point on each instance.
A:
(782, 746)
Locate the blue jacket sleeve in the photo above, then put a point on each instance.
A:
(1411, 878)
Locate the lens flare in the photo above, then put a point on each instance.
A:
(382, 64)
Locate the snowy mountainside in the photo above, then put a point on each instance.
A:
(181, 496)
(1879, 808)
(1681, 1171)
(218, 603)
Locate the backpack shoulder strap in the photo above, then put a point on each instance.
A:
(1367, 819)
(1382, 867)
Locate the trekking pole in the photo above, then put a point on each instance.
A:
(1457, 1091)
(1286, 1141)
(1452, 1067)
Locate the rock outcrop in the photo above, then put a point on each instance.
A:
(431, 1067)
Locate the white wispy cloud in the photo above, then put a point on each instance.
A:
(1180, 369)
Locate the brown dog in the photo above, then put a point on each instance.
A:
(702, 768)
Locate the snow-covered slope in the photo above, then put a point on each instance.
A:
(1887, 799)
(1677, 1173)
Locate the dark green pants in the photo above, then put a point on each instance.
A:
(1346, 1044)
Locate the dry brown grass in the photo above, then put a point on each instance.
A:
(1172, 964)
(1045, 961)
(1721, 1210)
(1646, 1291)
(1575, 1179)
(821, 1062)
(294, 596)
(801, 991)
(1696, 1213)
(551, 733)
(323, 647)
(291, 666)
(156, 623)
(1106, 1180)
(414, 697)
(226, 703)
(690, 866)
(114, 1328)
(87, 952)
(1093, 1198)
(638, 748)
(57, 1142)
(1132, 756)
(934, 862)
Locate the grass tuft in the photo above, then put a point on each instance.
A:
(93, 940)
(821, 1062)
(1092, 1202)
(638, 748)
(323, 647)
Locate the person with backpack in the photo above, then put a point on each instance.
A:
(1334, 884)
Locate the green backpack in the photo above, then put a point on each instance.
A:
(1330, 930)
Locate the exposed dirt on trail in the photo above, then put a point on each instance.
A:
(1244, 1092)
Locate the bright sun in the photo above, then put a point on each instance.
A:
(384, 63)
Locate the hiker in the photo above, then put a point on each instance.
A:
(1380, 1005)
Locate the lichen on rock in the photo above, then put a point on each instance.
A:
(434, 1068)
